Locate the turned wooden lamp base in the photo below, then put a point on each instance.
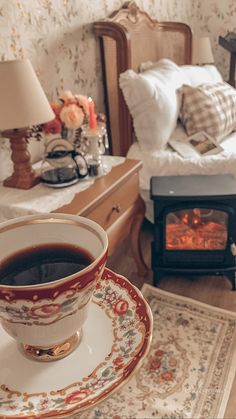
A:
(23, 176)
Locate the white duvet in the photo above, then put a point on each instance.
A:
(169, 163)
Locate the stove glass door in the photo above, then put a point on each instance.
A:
(196, 229)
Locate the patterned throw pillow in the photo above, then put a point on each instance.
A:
(210, 108)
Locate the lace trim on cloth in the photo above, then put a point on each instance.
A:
(41, 199)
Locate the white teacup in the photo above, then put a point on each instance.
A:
(46, 318)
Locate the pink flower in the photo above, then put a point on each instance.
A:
(76, 396)
(69, 111)
(154, 364)
(45, 310)
(67, 98)
(98, 285)
(121, 307)
(56, 107)
(159, 353)
(167, 376)
(52, 127)
(172, 362)
(119, 363)
(72, 116)
(118, 360)
(83, 102)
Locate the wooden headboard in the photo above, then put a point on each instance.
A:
(128, 38)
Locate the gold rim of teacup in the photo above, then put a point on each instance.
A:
(63, 220)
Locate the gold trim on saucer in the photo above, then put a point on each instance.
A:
(122, 359)
(54, 353)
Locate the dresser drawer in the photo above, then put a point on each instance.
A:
(112, 207)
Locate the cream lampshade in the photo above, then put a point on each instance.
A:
(23, 104)
(201, 50)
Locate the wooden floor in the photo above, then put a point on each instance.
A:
(214, 290)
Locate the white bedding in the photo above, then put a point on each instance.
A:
(167, 163)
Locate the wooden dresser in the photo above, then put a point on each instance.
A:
(114, 202)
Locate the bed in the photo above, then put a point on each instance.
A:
(147, 72)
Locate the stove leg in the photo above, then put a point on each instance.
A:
(155, 281)
(156, 277)
(234, 281)
(232, 277)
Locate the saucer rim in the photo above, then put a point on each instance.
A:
(114, 387)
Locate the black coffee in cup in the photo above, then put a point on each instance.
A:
(43, 263)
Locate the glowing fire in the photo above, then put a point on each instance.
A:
(192, 232)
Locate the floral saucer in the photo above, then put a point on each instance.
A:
(116, 337)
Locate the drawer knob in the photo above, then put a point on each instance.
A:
(116, 208)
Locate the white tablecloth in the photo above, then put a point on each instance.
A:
(42, 199)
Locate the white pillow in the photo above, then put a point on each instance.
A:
(197, 74)
(153, 102)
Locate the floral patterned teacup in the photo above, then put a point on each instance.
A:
(46, 317)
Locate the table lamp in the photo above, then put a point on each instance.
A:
(23, 104)
(201, 50)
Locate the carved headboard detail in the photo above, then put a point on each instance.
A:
(127, 38)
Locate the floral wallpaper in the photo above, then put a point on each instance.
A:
(57, 36)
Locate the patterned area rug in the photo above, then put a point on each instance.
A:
(190, 367)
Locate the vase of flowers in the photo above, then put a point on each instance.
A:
(71, 112)
(79, 128)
